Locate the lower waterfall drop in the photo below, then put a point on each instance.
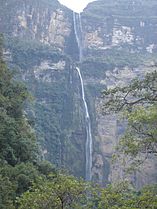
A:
(88, 131)
(89, 141)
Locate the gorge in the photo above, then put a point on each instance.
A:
(115, 42)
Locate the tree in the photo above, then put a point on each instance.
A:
(18, 149)
(123, 195)
(17, 139)
(21, 176)
(6, 193)
(61, 191)
(138, 92)
(138, 104)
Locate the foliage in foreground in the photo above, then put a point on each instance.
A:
(68, 192)
(138, 104)
(19, 160)
(61, 191)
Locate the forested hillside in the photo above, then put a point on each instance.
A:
(28, 182)
(43, 103)
(46, 105)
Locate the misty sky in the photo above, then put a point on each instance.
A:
(75, 5)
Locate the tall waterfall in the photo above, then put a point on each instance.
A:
(89, 141)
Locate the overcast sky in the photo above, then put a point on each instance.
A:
(75, 5)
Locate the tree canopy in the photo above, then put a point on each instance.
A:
(17, 139)
(137, 102)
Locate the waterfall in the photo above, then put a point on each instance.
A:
(78, 32)
(88, 131)
(89, 142)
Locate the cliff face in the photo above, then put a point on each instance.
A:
(119, 41)
(37, 36)
(119, 44)
(106, 24)
(42, 21)
(118, 23)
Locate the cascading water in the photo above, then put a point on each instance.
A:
(88, 131)
(89, 142)
(78, 32)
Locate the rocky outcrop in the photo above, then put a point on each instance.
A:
(110, 24)
(45, 22)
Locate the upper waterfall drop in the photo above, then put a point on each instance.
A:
(78, 33)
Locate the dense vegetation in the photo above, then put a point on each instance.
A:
(27, 182)
(21, 166)
(53, 100)
(19, 157)
(31, 53)
(17, 138)
(28, 53)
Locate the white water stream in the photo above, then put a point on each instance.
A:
(89, 141)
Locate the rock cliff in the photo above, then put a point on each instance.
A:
(119, 43)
